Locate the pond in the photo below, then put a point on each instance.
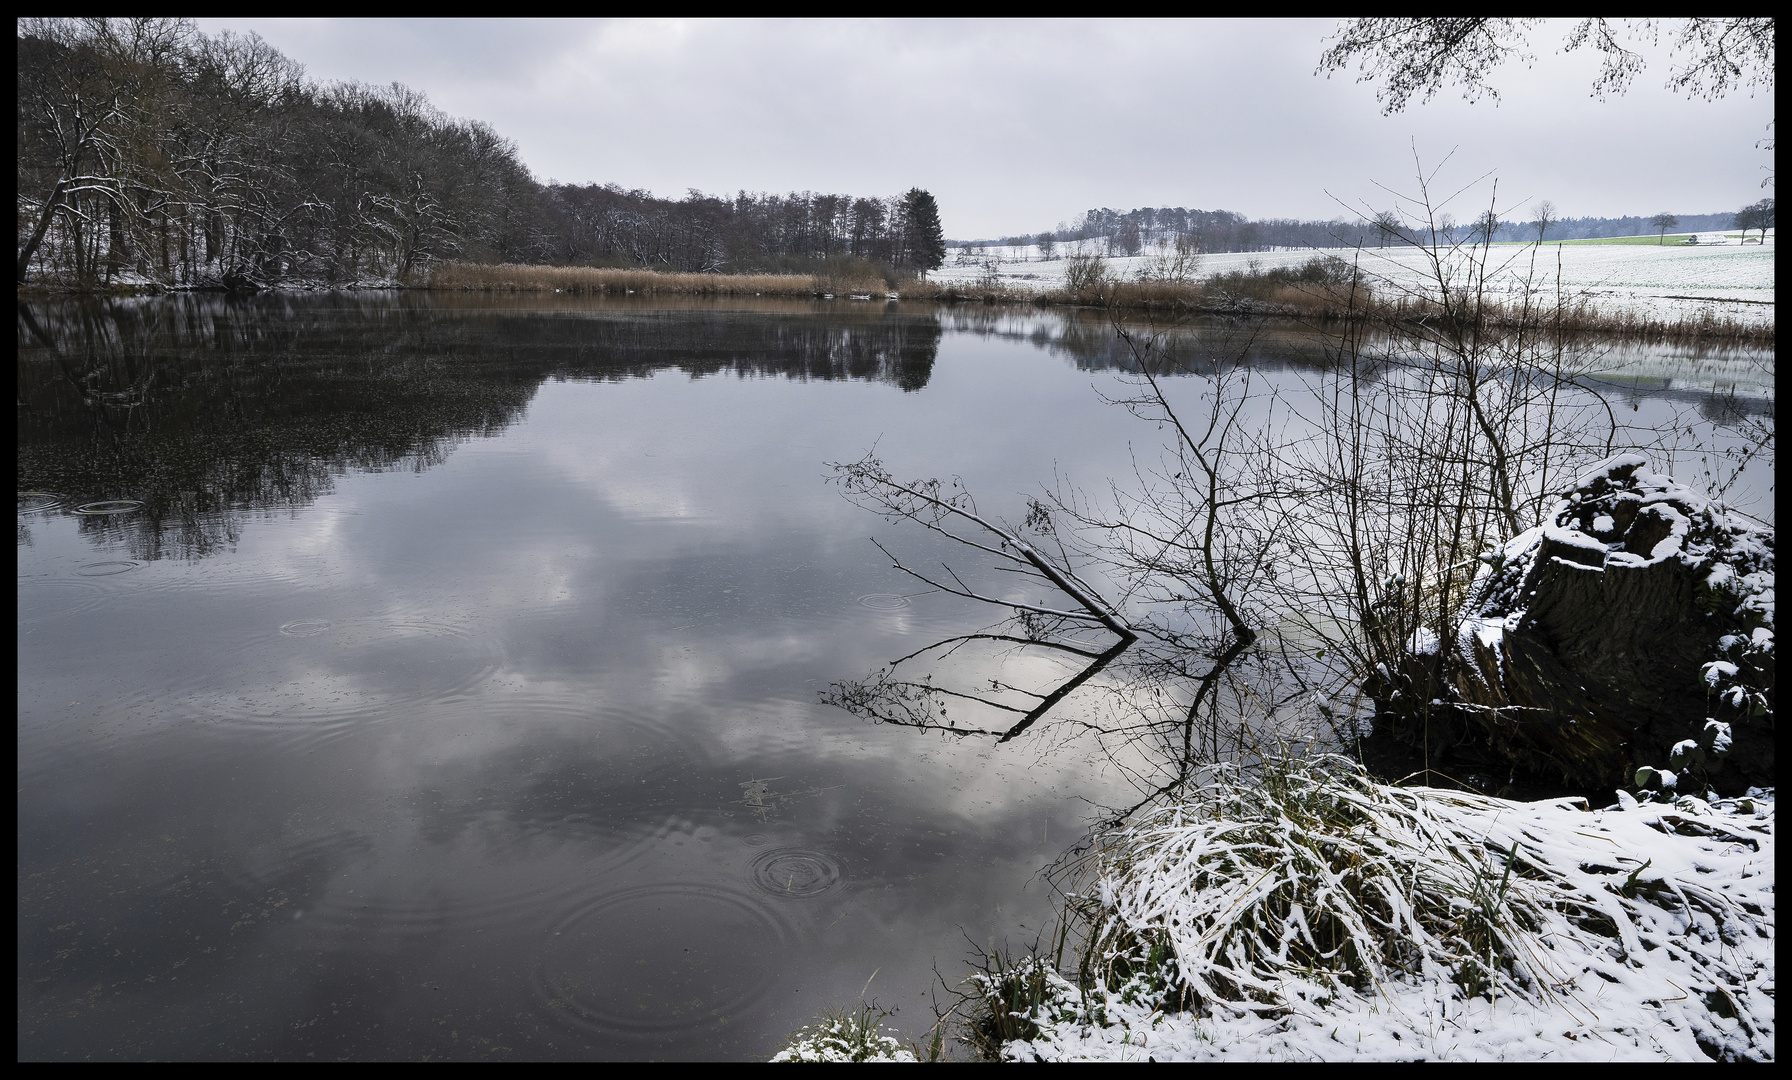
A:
(410, 676)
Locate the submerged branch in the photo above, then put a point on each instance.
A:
(886, 699)
(1061, 692)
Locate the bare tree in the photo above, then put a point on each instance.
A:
(1387, 227)
(952, 512)
(1410, 57)
(1546, 216)
(1418, 56)
(1048, 246)
(92, 150)
(1756, 216)
(1662, 223)
(1127, 240)
(148, 148)
(1487, 225)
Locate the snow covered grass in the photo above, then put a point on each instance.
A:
(1311, 913)
(845, 1035)
(1635, 282)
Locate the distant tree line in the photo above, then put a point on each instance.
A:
(148, 151)
(605, 225)
(1132, 231)
(1589, 228)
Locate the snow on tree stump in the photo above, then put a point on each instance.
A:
(1627, 640)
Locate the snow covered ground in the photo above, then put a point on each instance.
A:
(1686, 973)
(1671, 281)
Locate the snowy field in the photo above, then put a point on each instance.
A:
(1671, 281)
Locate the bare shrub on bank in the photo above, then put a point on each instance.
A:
(1086, 277)
(1297, 549)
(1172, 262)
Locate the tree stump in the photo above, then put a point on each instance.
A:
(1631, 630)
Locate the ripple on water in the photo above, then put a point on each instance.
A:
(108, 506)
(472, 873)
(659, 959)
(305, 627)
(883, 601)
(30, 502)
(213, 896)
(635, 841)
(42, 598)
(107, 569)
(454, 894)
(795, 874)
(300, 866)
(625, 736)
(321, 678)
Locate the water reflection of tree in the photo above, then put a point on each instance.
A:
(1086, 337)
(871, 345)
(207, 409)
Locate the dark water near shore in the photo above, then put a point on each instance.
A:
(410, 677)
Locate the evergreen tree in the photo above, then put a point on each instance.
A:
(929, 241)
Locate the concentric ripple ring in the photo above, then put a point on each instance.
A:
(107, 569)
(33, 501)
(795, 874)
(655, 959)
(883, 602)
(305, 627)
(109, 506)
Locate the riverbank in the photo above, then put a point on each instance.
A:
(1321, 289)
(1318, 289)
(1318, 915)
(1457, 928)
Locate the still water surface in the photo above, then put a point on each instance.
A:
(437, 678)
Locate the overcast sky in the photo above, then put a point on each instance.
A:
(1016, 126)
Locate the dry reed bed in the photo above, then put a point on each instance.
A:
(1580, 317)
(510, 277)
(1238, 294)
(1334, 303)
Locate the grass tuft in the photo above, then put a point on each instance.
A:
(1282, 890)
(841, 1035)
(1012, 998)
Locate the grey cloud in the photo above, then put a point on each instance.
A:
(1018, 124)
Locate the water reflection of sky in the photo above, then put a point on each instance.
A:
(517, 754)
